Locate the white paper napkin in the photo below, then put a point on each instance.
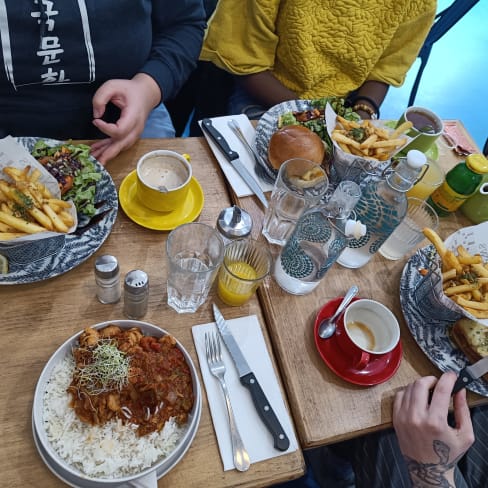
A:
(256, 438)
(237, 183)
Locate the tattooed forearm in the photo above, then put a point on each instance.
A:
(423, 475)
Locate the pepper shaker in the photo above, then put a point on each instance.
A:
(136, 294)
(107, 278)
(234, 223)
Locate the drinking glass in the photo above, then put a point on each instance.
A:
(300, 184)
(246, 263)
(195, 252)
(409, 233)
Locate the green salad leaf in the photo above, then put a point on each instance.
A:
(69, 160)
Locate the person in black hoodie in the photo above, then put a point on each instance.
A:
(85, 69)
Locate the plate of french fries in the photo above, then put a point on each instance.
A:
(31, 207)
(39, 235)
(463, 262)
(429, 314)
(363, 147)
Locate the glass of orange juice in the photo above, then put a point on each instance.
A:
(246, 263)
(432, 179)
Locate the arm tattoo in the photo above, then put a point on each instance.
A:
(432, 474)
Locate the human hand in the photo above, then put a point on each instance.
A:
(135, 98)
(432, 447)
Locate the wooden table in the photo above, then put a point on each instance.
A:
(326, 408)
(37, 318)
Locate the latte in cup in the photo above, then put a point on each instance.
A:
(163, 172)
(163, 180)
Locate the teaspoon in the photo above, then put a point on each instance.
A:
(328, 326)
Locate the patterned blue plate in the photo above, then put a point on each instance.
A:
(47, 258)
(429, 320)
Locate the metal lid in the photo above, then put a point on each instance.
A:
(477, 163)
(234, 222)
(136, 281)
(106, 266)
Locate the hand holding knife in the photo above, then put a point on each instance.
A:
(247, 378)
(471, 373)
(233, 158)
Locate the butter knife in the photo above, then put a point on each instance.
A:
(264, 409)
(233, 158)
(471, 373)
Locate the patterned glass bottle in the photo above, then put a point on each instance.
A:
(318, 239)
(382, 206)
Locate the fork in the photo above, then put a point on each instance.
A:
(265, 171)
(216, 365)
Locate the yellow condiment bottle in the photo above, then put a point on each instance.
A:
(460, 183)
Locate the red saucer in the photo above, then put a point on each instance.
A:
(380, 369)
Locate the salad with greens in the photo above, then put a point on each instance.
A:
(74, 171)
(314, 119)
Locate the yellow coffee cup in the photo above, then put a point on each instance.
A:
(163, 179)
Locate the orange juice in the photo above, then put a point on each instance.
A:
(431, 180)
(237, 283)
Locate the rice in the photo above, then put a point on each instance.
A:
(112, 450)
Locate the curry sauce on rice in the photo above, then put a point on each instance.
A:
(119, 403)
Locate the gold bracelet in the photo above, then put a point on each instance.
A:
(365, 108)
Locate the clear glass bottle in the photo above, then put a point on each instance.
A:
(321, 234)
(107, 278)
(382, 206)
(461, 182)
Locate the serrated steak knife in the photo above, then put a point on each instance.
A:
(471, 373)
(269, 418)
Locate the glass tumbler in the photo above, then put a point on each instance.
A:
(195, 252)
(409, 233)
(246, 263)
(300, 184)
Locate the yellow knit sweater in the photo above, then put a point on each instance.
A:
(319, 47)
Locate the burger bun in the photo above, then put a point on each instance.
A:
(295, 141)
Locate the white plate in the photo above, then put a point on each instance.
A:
(429, 320)
(73, 476)
(47, 258)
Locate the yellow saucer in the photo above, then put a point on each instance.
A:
(151, 219)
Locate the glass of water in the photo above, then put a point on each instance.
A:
(300, 184)
(195, 252)
(409, 233)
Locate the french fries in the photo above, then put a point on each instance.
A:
(28, 207)
(367, 140)
(464, 276)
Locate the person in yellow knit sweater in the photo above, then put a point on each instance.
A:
(281, 50)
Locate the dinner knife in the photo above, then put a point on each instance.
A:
(233, 158)
(247, 378)
(471, 373)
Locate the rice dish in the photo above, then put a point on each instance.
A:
(112, 450)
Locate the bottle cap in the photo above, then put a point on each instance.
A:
(106, 266)
(477, 162)
(416, 158)
(136, 281)
(354, 228)
(234, 223)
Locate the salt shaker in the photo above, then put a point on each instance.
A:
(136, 294)
(234, 223)
(107, 278)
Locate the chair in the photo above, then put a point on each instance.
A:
(443, 22)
